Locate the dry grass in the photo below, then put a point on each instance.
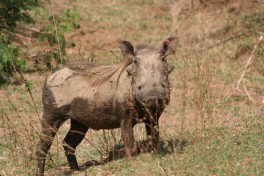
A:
(209, 128)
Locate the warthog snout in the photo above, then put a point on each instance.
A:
(152, 102)
(152, 99)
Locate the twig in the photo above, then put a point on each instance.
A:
(248, 62)
(163, 168)
(3, 172)
(101, 154)
(226, 40)
(117, 58)
(56, 31)
(250, 98)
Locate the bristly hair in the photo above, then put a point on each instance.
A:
(144, 48)
(100, 74)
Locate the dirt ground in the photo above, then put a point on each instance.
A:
(217, 38)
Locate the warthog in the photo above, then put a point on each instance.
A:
(107, 97)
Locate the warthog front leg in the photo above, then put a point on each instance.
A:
(128, 137)
(152, 129)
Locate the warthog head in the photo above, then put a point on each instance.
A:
(149, 72)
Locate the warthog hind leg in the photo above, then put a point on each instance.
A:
(72, 140)
(50, 125)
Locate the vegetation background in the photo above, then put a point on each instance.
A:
(214, 124)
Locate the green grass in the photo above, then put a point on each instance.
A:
(227, 151)
(221, 128)
(223, 151)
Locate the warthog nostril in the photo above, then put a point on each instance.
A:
(166, 101)
(159, 85)
(141, 85)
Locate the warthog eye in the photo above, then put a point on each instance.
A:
(132, 70)
(168, 68)
(163, 59)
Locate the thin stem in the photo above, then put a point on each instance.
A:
(56, 31)
(248, 62)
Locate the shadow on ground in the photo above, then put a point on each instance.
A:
(165, 148)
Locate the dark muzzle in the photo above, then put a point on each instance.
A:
(153, 96)
(155, 102)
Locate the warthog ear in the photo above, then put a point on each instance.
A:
(127, 49)
(169, 46)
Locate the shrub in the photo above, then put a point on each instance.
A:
(10, 62)
(13, 11)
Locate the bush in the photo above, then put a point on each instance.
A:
(10, 62)
(13, 11)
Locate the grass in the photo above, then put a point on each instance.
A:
(209, 128)
(236, 150)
